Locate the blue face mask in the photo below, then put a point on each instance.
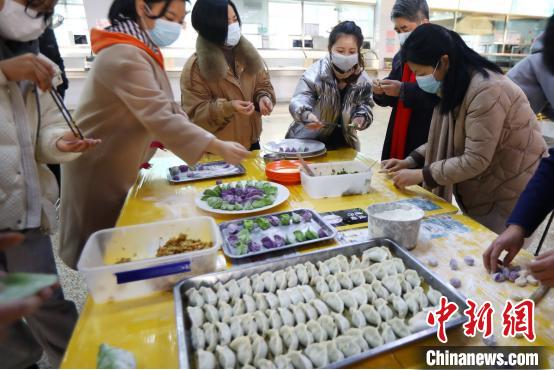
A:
(164, 32)
(429, 83)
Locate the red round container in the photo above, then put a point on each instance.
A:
(284, 172)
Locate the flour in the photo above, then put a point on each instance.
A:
(400, 215)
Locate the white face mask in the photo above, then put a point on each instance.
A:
(344, 62)
(402, 37)
(18, 24)
(233, 34)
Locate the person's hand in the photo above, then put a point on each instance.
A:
(359, 123)
(542, 268)
(69, 143)
(13, 311)
(394, 165)
(232, 152)
(313, 123)
(266, 106)
(377, 89)
(391, 87)
(511, 241)
(404, 178)
(245, 108)
(29, 67)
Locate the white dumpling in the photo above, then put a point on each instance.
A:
(357, 318)
(258, 284)
(233, 288)
(286, 316)
(421, 297)
(335, 355)
(263, 363)
(320, 285)
(302, 274)
(348, 299)
(211, 313)
(400, 306)
(282, 362)
(249, 303)
(392, 283)
(222, 293)
(360, 295)
(249, 325)
(307, 292)
(333, 265)
(317, 331)
(211, 335)
(305, 336)
(309, 311)
(275, 342)
(412, 302)
(380, 290)
(292, 278)
(198, 338)
(206, 360)
(348, 345)
(412, 277)
(236, 329)
(323, 269)
(196, 315)
(357, 277)
(259, 348)
(289, 337)
(371, 296)
(355, 263)
(243, 348)
(359, 335)
(225, 357)
(261, 302)
(376, 254)
(399, 265)
(274, 318)
(299, 361)
(327, 322)
(312, 270)
(284, 298)
(334, 301)
(344, 280)
(434, 296)
(319, 306)
(399, 327)
(418, 322)
(341, 322)
(295, 295)
(317, 353)
(333, 283)
(368, 275)
(272, 300)
(225, 311)
(371, 315)
(248, 366)
(269, 281)
(343, 262)
(390, 267)
(245, 286)
(406, 287)
(384, 310)
(387, 333)
(298, 313)
(224, 332)
(281, 279)
(372, 336)
(194, 297)
(261, 321)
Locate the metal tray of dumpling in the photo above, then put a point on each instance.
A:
(418, 330)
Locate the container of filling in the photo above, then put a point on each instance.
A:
(399, 222)
(337, 179)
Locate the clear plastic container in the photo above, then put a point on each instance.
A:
(327, 183)
(108, 280)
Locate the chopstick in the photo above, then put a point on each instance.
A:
(539, 294)
(305, 165)
(66, 115)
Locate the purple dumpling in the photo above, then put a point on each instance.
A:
(254, 246)
(273, 220)
(233, 228)
(322, 233)
(183, 168)
(268, 243)
(279, 241)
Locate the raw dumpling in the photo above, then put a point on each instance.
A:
(274, 318)
(272, 300)
(392, 283)
(281, 279)
(357, 318)
(359, 335)
(282, 362)
(225, 311)
(236, 329)
(299, 361)
(406, 287)
(400, 306)
(384, 310)
(225, 357)
(376, 254)
(224, 333)
(295, 295)
(343, 262)
(258, 285)
(249, 325)
(210, 332)
(348, 345)
(320, 285)
(333, 265)
(261, 302)
(309, 310)
(372, 337)
(206, 360)
(211, 313)
(259, 348)
(196, 315)
(233, 288)
(327, 322)
(198, 338)
(248, 366)
(371, 315)
(334, 301)
(194, 297)
(245, 286)
(380, 290)
(360, 295)
(284, 298)
(286, 316)
(289, 337)
(312, 270)
(275, 343)
(243, 349)
(261, 321)
(412, 302)
(341, 322)
(239, 307)
(320, 307)
(344, 280)
(292, 278)
(317, 331)
(335, 355)
(249, 303)
(323, 269)
(357, 277)
(399, 265)
(298, 313)
(302, 274)
(333, 283)
(269, 281)
(307, 292)
(317, 353)
(262, 363)
(412, 277)
(222, 293)
(421, 297)
(387, 333)
(369, 275)
(434, 296)
(348, 299)
(305, 337)
(371, 296)
(399, 328)
(355, 262)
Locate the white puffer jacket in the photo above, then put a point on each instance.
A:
(15, 200)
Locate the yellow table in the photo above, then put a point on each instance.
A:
(146, 326)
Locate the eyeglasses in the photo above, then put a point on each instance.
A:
(46, 10)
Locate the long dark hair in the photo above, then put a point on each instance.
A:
(548, 51)
(348, 28)
(429, 42)
(126, 9)
(210, 19)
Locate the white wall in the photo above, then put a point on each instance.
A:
(96, 10)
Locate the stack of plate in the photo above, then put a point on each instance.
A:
(306, 148)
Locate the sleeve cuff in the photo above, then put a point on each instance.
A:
(227, 108)
(304, 115)
(418, 158)
(402, 94)
(428, 178)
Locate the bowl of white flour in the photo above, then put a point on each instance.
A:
(399, 222)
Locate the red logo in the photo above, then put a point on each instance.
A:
(478, 320)
(441, 317)
(519, 319)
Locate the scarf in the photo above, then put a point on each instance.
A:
(345, 78)
(401, 120)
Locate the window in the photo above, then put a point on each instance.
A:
(74, 25)
(484, 33)
(521, 33)
(537, 8)
(443, 18)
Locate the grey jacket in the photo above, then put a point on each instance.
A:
(536, 81)
(317, 92)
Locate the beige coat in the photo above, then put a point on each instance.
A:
(208, 85)
(127, 102)
(486, 152)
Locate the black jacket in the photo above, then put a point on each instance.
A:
(421, 103)
(49, 48)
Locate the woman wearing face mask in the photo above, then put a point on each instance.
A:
(484, 143)
(225, 86)
(127, 102)
(333, 98)
(412, 108)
